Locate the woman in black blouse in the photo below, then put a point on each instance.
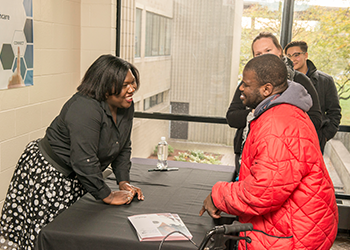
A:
(91, 132)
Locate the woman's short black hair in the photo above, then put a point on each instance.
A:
(106, 76)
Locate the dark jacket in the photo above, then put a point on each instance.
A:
(236, 115)
(329, 101)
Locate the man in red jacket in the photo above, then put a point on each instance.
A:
(284, 188)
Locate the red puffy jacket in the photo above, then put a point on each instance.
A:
(284, 188)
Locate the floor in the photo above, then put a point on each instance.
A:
(341, 242)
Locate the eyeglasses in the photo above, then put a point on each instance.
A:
(295, 55)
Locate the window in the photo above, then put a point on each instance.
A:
(258, 16)
(152, 101)
(325, 26)
(138, 33)
(179, 129)
(167, 36)
(210, 44)
(158, 34)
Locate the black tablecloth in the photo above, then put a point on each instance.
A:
(91, 224)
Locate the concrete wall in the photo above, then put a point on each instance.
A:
(344, 137)
(340, 158)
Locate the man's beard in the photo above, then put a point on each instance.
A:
(255, 100)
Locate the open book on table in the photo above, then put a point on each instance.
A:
(154, 227)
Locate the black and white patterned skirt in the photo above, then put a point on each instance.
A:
(36, 195)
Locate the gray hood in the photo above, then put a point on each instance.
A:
(295, 95)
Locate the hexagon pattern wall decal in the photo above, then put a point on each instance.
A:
(28, 30)
(6, 56)
(16, 43)
(28, 7)
(28, 56)
(22, 69)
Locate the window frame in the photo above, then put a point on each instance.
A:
(285, 38)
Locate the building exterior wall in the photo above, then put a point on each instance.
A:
(127, 30)
(202, 48)
(197, 71)
(146, 135)
(155, 74)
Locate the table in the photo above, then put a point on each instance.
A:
(91, 224)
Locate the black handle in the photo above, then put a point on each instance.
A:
(235, 227)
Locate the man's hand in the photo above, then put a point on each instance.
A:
(124, 185)
(209, 206)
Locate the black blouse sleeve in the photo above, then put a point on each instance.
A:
(84, 121)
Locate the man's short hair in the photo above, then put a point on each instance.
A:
(269, 68)
(301, 44)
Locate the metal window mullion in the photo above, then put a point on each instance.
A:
(118, 31)
(287, 22)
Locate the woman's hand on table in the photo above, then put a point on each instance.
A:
(119, 197)
(124, 185)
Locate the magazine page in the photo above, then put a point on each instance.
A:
(182, 228)
(154, 227)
